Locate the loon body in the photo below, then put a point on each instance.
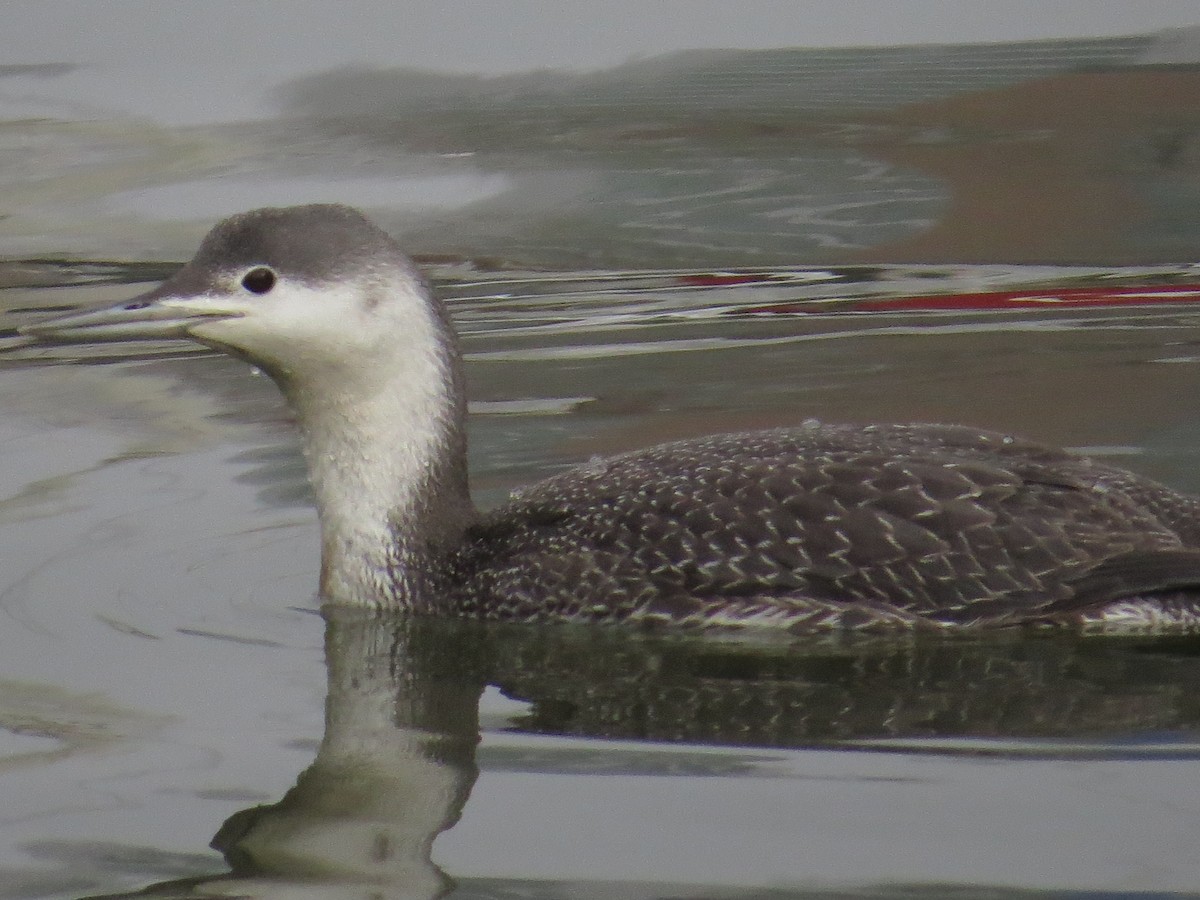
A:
(819, 525)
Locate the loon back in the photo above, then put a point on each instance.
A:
(838, 525)
(800, 528)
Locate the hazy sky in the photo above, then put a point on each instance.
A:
(216, 59)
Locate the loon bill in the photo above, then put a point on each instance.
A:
(800, 528)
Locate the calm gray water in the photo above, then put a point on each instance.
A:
(707, 242)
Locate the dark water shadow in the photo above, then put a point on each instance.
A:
(398, 758)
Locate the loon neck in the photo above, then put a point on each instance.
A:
(385, 442)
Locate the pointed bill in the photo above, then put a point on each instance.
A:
(155, 315)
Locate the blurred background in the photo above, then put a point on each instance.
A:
(613, 135)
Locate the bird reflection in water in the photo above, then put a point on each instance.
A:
(398, 758)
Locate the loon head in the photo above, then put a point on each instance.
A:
(302, 292)
(331, 308)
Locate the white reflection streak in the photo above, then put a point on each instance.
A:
(600, 351)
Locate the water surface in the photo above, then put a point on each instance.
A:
(163, 669)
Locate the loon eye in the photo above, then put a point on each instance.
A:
(259, 280)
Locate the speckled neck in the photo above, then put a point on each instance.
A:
(385, 441)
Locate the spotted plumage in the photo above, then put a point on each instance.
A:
(829, 525)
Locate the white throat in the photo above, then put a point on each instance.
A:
(386, 456)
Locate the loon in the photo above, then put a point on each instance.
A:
(816, 526)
